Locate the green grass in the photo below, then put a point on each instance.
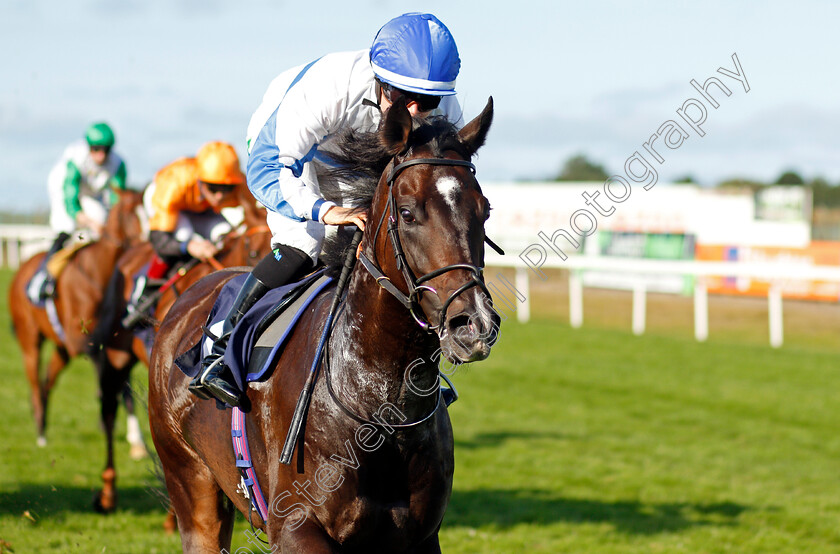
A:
(585, 440)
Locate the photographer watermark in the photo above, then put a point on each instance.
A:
(638, 169)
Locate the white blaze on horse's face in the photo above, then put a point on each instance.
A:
(448, 188)
(471, 326)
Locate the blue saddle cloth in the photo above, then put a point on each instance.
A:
(253, 326)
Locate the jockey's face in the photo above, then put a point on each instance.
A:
(215, 194)
(99, 154)
(419, 105)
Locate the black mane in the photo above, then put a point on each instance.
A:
(359, 160)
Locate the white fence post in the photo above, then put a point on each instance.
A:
(18, 242)
(523, 314)
(701, 310)
(774, 305)
(13, 253)
(775, 272)
(639, 308)
(575, 299)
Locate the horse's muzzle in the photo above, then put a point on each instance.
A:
(469, 335)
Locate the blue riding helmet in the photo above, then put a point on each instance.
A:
(416, 52)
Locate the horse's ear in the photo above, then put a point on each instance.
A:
(396, 128)
(475, 132)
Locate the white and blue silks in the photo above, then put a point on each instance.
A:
(302, 110)
(416, 52)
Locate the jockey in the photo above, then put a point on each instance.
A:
(413, 56)
(80, 189)
(184, 202)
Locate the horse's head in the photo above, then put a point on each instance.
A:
(127, 222)
(426, 229)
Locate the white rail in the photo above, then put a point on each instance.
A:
(19, 242)
(775, 273)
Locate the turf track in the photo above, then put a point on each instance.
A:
(588, 440)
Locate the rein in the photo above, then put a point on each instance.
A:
(415, 285)
(352, 415)
(411, 302)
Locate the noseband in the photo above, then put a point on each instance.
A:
(415, 285)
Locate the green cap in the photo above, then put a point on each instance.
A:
(100, 134)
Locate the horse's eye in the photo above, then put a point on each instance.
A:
(406, 215)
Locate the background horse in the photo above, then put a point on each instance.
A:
(245, 245)
(118, 349)
(374, 468)
(79, 291)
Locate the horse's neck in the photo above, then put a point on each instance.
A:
(105, 253)
(380, 353)
(236, 252)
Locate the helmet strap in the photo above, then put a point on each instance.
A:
(368, 102)
(378, 94)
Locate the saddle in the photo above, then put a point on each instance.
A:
(60, 259)
(260, 335)
(251, 352)
(51, 269)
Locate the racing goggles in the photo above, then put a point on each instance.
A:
(426, 102)
(219, 187)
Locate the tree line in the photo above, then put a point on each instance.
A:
(825, 194)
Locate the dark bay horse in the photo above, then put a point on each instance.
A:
(374, 466)
(78, 295)
(118, 350)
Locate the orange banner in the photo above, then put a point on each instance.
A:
(816, 253)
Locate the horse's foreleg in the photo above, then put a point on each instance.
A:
(203, 513)
(306, 537)
(30, 344)
(58, 361)
(171, 521)
(111, 382)
(430, 546)
(133, 434)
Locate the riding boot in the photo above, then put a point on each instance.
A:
(137, 310)
(45, 280)
(215, 378)
(139, 307)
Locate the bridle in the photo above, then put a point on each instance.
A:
(415, 285)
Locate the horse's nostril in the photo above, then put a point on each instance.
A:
(459, 323)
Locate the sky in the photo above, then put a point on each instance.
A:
(596, 77)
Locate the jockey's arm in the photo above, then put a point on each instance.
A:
(118, 181)
(168, 201)
(287, 142)
(72, 182)
(168, 247)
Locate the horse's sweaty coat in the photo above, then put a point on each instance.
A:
(391, 498)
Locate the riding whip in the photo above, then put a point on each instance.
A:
(306, 394)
